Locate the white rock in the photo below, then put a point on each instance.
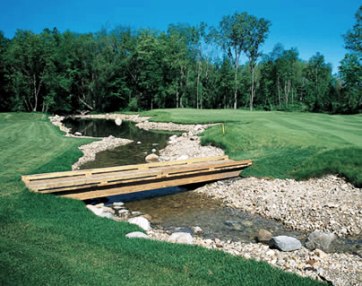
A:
(285, 243)
(197, 230)
(152, 158)
(118, 121)
(94, 209)
(99, 211)
(181, 237)
(141, 222)
(119, 204)
(137, 234)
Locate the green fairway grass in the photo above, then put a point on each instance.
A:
(47, 240)
(282, 144)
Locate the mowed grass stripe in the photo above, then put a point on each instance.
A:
(316, 133)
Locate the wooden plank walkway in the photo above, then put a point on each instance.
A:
(104, 182)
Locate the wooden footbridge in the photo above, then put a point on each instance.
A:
(105, 182)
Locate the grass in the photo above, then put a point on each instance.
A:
(47, 240)
(281, 144)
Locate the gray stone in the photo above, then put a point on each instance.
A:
(141, 222)
(264, 236)
(152, 158)
(233, 224)
(136, 213)
(137, 234)
(181, 237)
(320, 240)
(123, 213)
(285, 243)
(197, 230)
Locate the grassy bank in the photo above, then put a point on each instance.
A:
(283, 145)
(46, 240)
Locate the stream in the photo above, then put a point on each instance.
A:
(178, 208)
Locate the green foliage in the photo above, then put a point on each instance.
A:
(48, 240)
(237, 34)
(353, 38)
(133, 105)
(351, 69)
(180, 67)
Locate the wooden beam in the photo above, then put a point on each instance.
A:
(101, 182)
(150, 186)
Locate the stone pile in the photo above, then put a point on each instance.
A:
(327, 204)
(187, 146)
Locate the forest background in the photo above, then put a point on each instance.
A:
(185, 66)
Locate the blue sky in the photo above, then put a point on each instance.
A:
(310, 25)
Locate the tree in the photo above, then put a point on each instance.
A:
(147, 68)
(353, 38)
(4, 96)
(256, 33)
(27, 60)
(231, 36)
(239, 33)
(179, 41)
(286, 71)
(351, 67)
(318, 75)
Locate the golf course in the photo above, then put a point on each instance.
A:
(48, 240)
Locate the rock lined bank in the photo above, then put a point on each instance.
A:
(187, 146)
(339, 269)
(328, 203)
(90, 150)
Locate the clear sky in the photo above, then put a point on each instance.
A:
(310, 25)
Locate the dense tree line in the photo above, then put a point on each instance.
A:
(185, 66)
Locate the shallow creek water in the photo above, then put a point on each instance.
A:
(180, 208)
(134, 153)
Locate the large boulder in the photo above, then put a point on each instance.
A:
(285, 243)
(141, 222)
(181, 237)
(320, 240)
(151, 158)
